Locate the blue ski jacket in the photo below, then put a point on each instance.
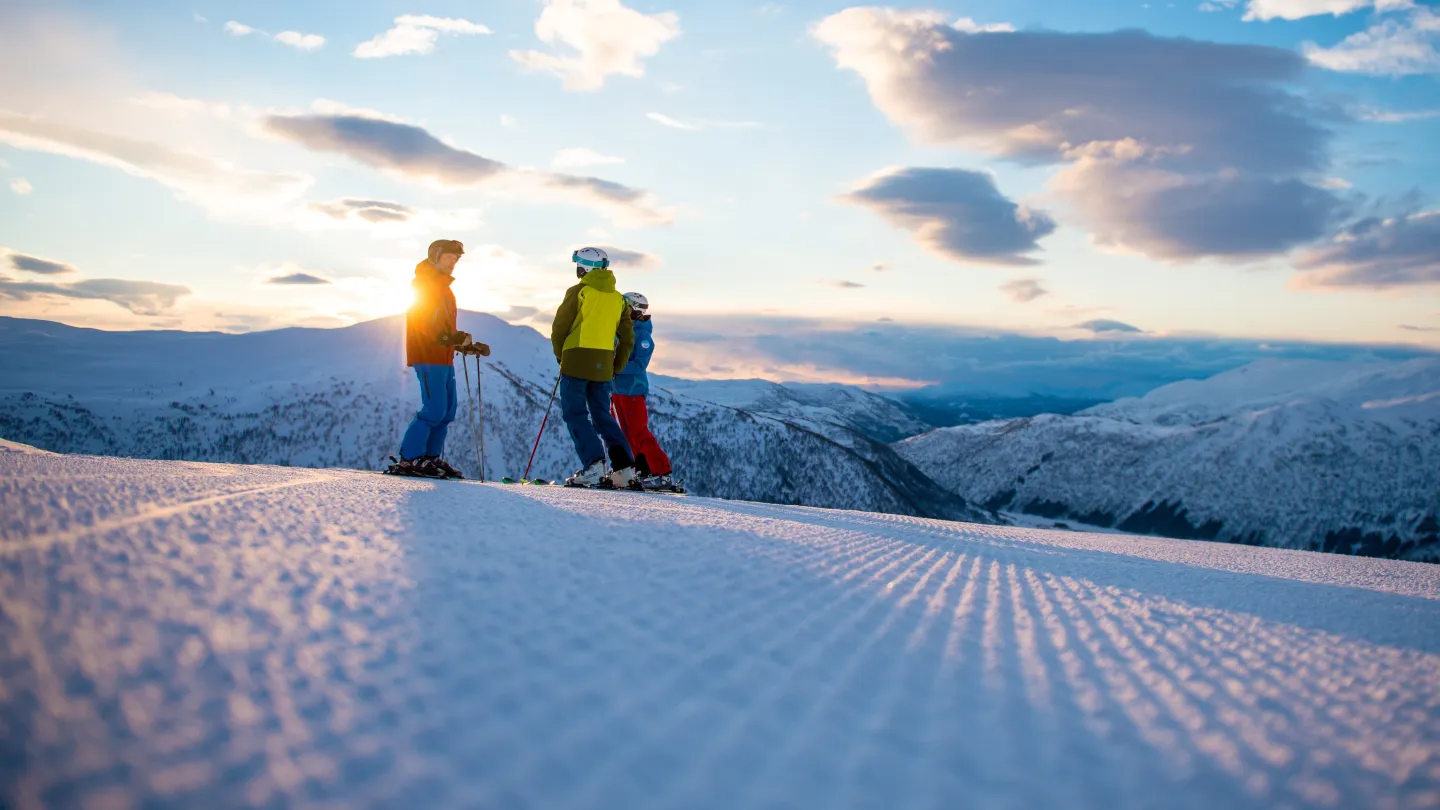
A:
(632, 381)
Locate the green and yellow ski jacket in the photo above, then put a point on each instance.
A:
(587, 326)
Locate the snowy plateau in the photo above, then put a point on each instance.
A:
(176, 634)
(1321, 455)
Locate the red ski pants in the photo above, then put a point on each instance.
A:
(634, 419)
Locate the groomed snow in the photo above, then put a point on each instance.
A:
(177, 634)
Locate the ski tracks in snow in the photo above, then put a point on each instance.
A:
(176, 634)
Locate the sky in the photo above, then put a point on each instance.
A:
(1256, 173)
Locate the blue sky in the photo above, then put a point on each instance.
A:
(1048, 169)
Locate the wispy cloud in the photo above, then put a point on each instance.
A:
(415, 34)
(1105, 325)
(579, 158)
(697, 126)
(140, 297)
(304, 42)
(1395, 116)
(21, 186)
(214, 184)
(1299, 9)
(34, 264)
(1024, 290)
(626, 259)
(413, 152)
(607, 38)
(239, 29)
(299, 279)
(368, 210)
(665, 120)
(1391, 47)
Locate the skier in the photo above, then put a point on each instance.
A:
(592, 336)
(431, 340)
(631, 387)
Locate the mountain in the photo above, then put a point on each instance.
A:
(189, 635)
(877, 417)
(1305, 454)
(342, 398)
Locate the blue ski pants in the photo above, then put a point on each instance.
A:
(585, 405)
(426, 434)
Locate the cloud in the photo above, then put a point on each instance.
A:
(1024, 290)
(239, 29)
(414, 34)
(507, 121)
(1299, 9)
(1410, 328)
(844, 284)
(295, 39)
(1377, 253)
(1395, 116)
(965, 359)
(140, 297)
(578, 158)
(625, 259)
(879, 267)
(1128, 200)
(368, 210)
(21, 186)
(665, 120)
(39, 266)
(385, 144)
(1104, 325)
(696, 126)
(607, 37)
(955, 213)
(213, 184)
(298, 279)
(1158, 123)
(412, 152)
(1391, 47)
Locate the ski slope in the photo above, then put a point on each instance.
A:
(179, 634)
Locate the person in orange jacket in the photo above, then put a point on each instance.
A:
(431, 340)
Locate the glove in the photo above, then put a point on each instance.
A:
(479, 348)
(455, 339)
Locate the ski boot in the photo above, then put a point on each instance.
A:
(618, 479)
(443, 467)
(588, 477)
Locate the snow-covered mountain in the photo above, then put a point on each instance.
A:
(342, 397)
(880, 418)
(1296, 453)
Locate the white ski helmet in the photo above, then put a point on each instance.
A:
(638, 302)
(589, 258)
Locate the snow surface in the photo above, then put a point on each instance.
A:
(178, 634)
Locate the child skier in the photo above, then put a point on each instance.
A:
(631, 387)
(592, 337)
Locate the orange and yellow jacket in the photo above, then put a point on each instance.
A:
(430, 321)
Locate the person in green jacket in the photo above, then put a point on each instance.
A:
(592, 336)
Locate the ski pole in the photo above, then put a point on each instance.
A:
(480, 395)
(470, 400)
(548, 406)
